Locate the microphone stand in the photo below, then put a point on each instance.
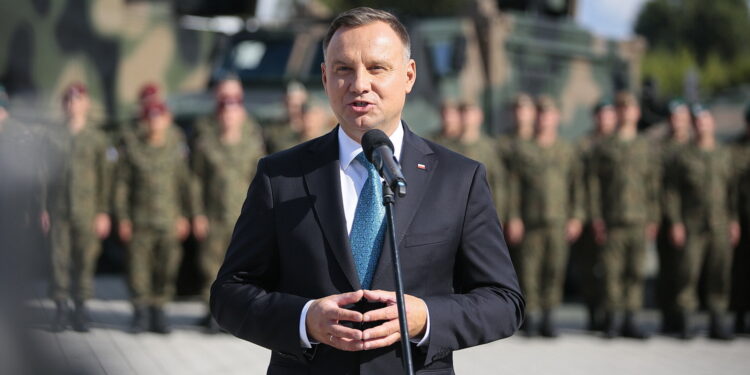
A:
(388, 202)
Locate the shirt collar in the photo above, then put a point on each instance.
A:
(349, 148)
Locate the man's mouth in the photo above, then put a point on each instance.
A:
(360, 106)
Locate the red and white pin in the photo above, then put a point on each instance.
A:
(421, 166)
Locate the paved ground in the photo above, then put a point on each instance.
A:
(110, 349)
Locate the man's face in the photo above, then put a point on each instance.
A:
(77, 106)
(472, 117)
(229, 87)
(548, 121)
(628, 114)
(451, 120)
(679, 120)
(158, 123)
(366, 76)
(704, 124)
(606, 120)
(232, 115)
(525, 115)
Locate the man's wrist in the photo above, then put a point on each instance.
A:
(303, 339)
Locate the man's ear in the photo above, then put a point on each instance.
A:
(411, 75)
(323, 75)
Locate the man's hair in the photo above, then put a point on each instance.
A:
(364, 16)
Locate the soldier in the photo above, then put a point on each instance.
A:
(677, 137)
(224, 162)
(586, 251)
(152, 205)
(285, 133)
(476, 145)
(741, 266)
(699, 202)
(623, 182)
(546, 215)
(78, 207)
(450, 125)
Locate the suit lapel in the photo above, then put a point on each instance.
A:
(323, 183)
(414, 152)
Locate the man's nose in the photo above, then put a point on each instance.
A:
(360, 81)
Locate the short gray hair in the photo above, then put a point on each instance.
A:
(364, 16)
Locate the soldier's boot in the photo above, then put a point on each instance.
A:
(548, 328)
(140, 319)
(740, 325)
(669, 322)
(62, 313)
(159, 322)
(611, 325)
(80, 317)
(596, 322)
(631, 328)
(719, 330)
(530, 325)
(684, 326)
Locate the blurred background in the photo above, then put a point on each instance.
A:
(481, 52)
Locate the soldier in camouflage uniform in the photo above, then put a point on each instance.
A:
(285, 133)
(623, 184)
(224, 162)
(666, 288)
(546, 214)
(229, 86)
(586, 253)
(450, 125)
(78, 206)
(152, 205)
(476, 145)
(700, 205)
(741, 266)
(524, 117)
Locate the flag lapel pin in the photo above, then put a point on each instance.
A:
(421, 166)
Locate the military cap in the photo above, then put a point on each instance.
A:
(625, 98)
(545, 103)
(149, 91)
(696, 109)
(601, 104)
(523, 100)
(153, 109)
(676, 104)
(73, 90)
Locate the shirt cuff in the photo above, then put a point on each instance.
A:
(303, 340)
(426, 338)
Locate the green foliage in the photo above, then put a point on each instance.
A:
(712, 37)
(434, 8)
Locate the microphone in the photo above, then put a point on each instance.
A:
(379, 151)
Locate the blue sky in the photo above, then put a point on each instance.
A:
(609, 18)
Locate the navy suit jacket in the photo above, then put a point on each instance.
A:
(290, 245)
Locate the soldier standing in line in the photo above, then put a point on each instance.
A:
(585, 250)
(741, 265)
(666, 287)
(78, 196)
(450, 125)
(700, 204)
(623, 184)
(152, 206)
(224, 162)
(285, 133)
(475, 144)
(524, 117)
(546, 214)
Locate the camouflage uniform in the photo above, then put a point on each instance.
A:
(505, 146)
(223, 173)
(280, 137)
(623, 184)
(484, 151)
(699, 194)
(545, 192)
(78, 191)
(153, 189)
(439, 138)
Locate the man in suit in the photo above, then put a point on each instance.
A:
(308, 249)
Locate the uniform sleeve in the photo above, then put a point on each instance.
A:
(577, 190)
(593, 185)
(670, 196)
(186, 185)
(103, 176)
(121, 195)
(496, 177)
(514, 189)
(653, 185)
(198, 178)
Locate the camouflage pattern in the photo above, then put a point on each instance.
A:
(545, 192)
(80, 182)
(623, 187)
(223, 173)
(280, 136)
(484, 151)
(152, 190)
(699, 194)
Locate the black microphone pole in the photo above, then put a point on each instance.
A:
(388, 202)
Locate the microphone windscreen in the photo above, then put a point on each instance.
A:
(373, 139)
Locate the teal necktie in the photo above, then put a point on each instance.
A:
(368, 228)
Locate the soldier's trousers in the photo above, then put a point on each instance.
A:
(623, 258)
(153, 262)
(75, 250)
(589, 265)
(543, 257)
(666, 284)
(713, 248)
(212, 252)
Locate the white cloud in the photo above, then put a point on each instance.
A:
(610, 18)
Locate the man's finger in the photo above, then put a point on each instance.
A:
(345, 344)
(380, 296)
(381, 342)
(348, 298)
(343, 314)
(384, 313)
(338, 330)
(384, 330)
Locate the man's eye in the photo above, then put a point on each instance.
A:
(343, 69)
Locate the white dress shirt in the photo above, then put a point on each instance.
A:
(353, 176)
